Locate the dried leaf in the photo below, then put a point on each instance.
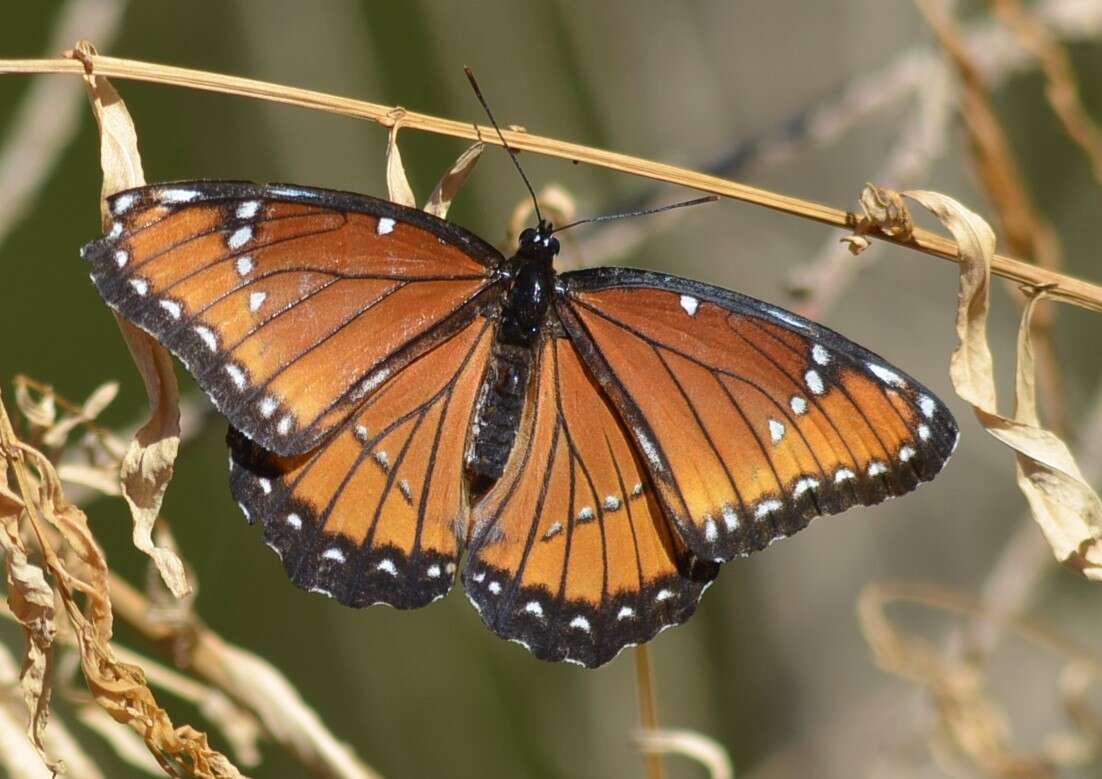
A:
(41, 412)
(32, 603)
(100, 398)
(397, 185)
(119, 688)
(148, 463)
(451, 182)
(1068, 511)
(104, 480)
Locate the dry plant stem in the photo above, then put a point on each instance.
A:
(1063, 287)
(1062, 87)
(648, 707)
(1026, 232)
(281, 712)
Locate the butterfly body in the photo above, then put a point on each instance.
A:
(594, 442)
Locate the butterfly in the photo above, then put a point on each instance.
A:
(595, 443)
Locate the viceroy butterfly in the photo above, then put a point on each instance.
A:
(597, 442)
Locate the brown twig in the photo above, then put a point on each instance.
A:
(648, 707)
(1067, 288)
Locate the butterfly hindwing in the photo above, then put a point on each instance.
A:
(288, 304)
(378, 512)
(752, 420)
(572, 555)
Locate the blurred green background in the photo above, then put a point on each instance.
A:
(772, 665)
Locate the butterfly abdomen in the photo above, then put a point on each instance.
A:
(497, 415)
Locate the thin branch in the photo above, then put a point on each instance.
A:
(1063, 287)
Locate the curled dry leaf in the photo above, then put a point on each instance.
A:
(696, 746)
(40, 412)
(397, 184)
(100, 399)
(32, 603)
(148, 462)
(76, 565)
(973, 721)
(1068, 511)
(451, 182)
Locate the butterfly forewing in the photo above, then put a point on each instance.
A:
(377, 513)
(572, 555)
(288, 304)
(752, 420)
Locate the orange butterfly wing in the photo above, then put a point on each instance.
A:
(571, 554)
(288, 304)
(379, 512)
(752, 420)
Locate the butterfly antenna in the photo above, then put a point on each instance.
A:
(508, 148)
(644, 212)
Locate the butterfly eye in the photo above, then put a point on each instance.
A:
(529, 236)
(553, 245)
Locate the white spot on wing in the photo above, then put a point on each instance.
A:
(534, 607)
(690, 304)
(612, 503)
(265, 485)
(843, 474)
(803, 485)
(625, 612)
(121, 258)
(141, 286)
(776, 431)
(433, 571)
(244, 265)
(295, 521)
(711, 532)
(206, 335)
(256, 300)
(886, 376)
(387, 565)
(663, 595)
(585, 514)
(928, 406)
(494, 588)
(248, 209)
(361, 434)
(637, 490)
(382, 459)
(552, 531)
(814, 382)
(123, 203)
(172, 307)
(116, 230)
(798, 405)
(580, 622)
(767, 507)
(244, 511)
(730, 518)
(924, 432)
(385, 226)
(285, 424)
(332, 553)
(237, 376)
(876, 468)
(820, 355)
(268, 406)
(906, 453)
(240, 237)
(178, 195)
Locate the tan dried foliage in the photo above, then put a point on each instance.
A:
(147, 466)
(78, 572)
(973, 724)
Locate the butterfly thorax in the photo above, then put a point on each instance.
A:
(501, 398)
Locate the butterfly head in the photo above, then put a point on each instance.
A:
(538, 242)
